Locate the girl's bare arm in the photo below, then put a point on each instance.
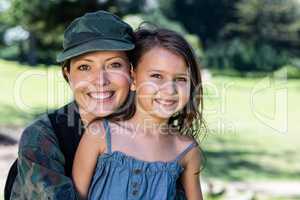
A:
(91, 145)
(190, 177)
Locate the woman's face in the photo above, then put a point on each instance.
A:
(162, 84)
(100, 81)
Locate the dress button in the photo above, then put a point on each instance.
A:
(137, 171)
(134, 184)
(134, 192)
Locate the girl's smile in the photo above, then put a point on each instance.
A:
(162, 84)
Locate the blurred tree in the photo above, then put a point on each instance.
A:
(46, 21)
(154, 17)
(245, 35)
(204, 18)
(273, 22)
(244, 56)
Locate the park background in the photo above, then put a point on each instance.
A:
(249, 52)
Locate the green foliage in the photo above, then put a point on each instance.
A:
(244, 56)
(9, 52)
(288, 71)
(244, 35)
(157, 19)
(275, 22)
(204, 18)
(46, 21)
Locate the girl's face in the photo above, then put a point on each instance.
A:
(99, 81)
(162, 83)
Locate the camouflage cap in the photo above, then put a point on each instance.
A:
(96, 31)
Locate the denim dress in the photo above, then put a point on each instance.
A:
(122, 177)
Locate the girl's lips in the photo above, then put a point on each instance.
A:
(166, 102)
(101, 96)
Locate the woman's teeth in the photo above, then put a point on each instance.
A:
(101, 95)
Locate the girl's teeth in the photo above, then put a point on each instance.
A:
(101, 95)
(166, 102)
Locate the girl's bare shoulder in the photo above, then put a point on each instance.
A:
(183, 140)
(95, 134)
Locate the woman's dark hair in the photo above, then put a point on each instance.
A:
(190, 120)
(65, 65)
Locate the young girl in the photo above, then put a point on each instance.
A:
(146, 156)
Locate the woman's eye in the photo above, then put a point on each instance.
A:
(115, 65)
(156, 76)
(83, 67)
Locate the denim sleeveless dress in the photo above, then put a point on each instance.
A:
(122, 177)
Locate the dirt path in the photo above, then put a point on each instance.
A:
(9, 136)
(7, 157)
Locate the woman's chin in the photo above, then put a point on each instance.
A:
(98, 112)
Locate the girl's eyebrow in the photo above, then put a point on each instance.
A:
(177, 74)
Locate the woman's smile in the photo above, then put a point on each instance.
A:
(101, 96)
(100, 81)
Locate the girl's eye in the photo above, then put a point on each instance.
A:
(83, 67)
(158, 76)
(180, 79)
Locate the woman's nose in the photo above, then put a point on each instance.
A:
(101, 78)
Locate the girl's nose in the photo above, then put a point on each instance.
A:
(169, 88)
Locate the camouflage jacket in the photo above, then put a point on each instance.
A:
(41, 164)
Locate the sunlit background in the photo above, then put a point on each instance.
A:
(249, 53)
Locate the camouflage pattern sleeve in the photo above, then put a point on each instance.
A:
(41, 165)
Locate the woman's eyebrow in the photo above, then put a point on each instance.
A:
(108, 59)
(84, 59)
(88, 60)
(91, 60)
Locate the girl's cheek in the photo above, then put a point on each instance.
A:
(147, 87)
(184, 93)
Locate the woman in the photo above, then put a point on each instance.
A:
(47, 146)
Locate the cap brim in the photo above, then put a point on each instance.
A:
(94, 45)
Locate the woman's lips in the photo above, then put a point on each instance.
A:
(101, 96)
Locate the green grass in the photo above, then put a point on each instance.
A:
(244, 142)
(251, 142)
(27, 91)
